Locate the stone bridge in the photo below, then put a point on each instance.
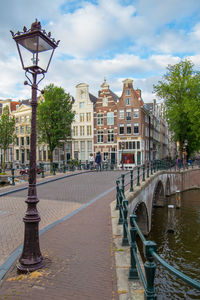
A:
(154, 191)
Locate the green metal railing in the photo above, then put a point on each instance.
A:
(130, 232)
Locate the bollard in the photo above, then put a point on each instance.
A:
(154, 166)
(42, 166)
(171, 218)
(131, 185)
(13, 176)
(54, 169)
(143, 169)
(138, 176)
(148, 170)
(178, 199)
(133, 273)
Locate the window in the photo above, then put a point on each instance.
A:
(22, 119)
(89, 130)
(138, 145)
(75, 130)
(110, 118)
(128, 114)
(88, 117)
(82, 117)
(76, 146)
(128, 101)
(17, 154)
(136, 128)
(110, 135)
(82, 130)
(81, 104)
(17, 141)
(121, 128)
(22, 141)
(121, 114)
(27, 118)
(100, 119)
(21, 129)
(100, 136)
(105, 101)
(127, 92)
(16, 130)
(27, 154)
(146, 119)
(136, 113)
(128, 129)
(27, 140)
(27, 129)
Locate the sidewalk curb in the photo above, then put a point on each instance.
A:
(4, 268)
(127, 290)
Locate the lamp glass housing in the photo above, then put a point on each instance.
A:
(35, 52)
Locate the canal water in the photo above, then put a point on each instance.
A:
(181, 249)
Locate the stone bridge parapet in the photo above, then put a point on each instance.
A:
(155, 189)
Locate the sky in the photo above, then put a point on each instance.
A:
(112, 39)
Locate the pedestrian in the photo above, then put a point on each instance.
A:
(98, 161)
(91, 161)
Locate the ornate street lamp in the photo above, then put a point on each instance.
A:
(36, 49)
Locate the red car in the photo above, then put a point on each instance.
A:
(26, 171)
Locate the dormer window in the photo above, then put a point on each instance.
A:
(105, 101)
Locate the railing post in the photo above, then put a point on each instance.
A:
(123, 176)
(117, 194)
(133, 273)
(42, 166)
(148, 170)
(120, 208)
(151, 167)
(138, 176)
(13, 176)
(125, 224)
(150, 270)
(143, 168)
(131, 185)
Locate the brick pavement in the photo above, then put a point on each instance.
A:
(79, 261)
(57, 199)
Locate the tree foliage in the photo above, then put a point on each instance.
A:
(54, 118)
(7, 132)
(180, 89)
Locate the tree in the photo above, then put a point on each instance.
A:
(180, 89)
(54, 118)
(7, 132)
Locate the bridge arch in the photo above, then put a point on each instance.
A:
(142, 217)
(159, 195)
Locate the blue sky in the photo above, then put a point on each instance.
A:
(116, 39)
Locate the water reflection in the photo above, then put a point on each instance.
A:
(181, 249)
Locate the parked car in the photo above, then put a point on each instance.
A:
(26, 171)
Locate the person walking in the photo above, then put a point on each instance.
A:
(98, 161)
(91, 161)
